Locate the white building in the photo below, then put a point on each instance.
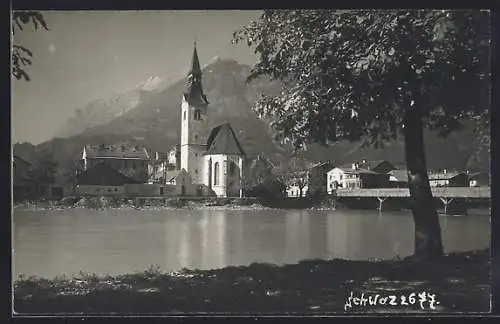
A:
(355, 177)
(295, 191)
(213, 158)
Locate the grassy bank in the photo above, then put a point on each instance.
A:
(100, 203)
(460, 282)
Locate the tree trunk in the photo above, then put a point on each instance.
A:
(428, 243)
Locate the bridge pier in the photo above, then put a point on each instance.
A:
(454, 206)
(381, 202)
(446, 201)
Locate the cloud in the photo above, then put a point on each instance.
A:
(52, 48)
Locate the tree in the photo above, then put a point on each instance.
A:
(21, 56)
(295, 172)
(42, 173)
(258, 172)
(72, 172)
(375, 76)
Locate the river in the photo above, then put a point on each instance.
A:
(53, 243)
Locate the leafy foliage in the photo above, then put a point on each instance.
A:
(41, 173)
(294, 172)
(21, 56)
(261, 181)
(351, 74)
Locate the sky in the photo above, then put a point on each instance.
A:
(91, 55)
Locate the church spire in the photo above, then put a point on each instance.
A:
(195, 73)
(195, 90)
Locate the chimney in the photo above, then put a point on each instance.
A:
(354, 166)
(444, 171)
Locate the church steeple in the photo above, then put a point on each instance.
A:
(195, 73)
(195, 95)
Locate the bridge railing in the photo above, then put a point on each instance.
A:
(441, 192)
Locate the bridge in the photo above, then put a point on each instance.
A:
(438, 192)
(445, 194)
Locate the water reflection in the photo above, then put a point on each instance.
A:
(65, 242)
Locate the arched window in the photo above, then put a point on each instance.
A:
(216, 174)
(197, 115)
(184, 115)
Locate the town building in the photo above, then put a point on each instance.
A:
(354, 177)
(22, 184)
(479, 179)
(309, 180)
(398, 178)
(161, 163)
(317, 179)
(296, 191)
(449, 179)
(379, 166)
(213, 158)
(179, 183)
(34, 181)
(104, 180)
(132, 161)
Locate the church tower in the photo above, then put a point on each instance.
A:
(194, 123)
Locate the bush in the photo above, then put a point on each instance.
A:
(68, 201)
(177, 203)
(268, 190)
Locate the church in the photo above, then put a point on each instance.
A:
(212, 157)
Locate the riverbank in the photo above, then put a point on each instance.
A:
(172, 203)
(101, 203)
(460, 282)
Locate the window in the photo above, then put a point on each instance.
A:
(232, 168)
(109, 190)
(195, 136)
(195, 154)
(340, 177)
(216, 174)
(184, 115)
(116, 189)
(197, 115)
(196, 171)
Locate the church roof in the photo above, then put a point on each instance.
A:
(194, 94)
(117, 151)
(223, 140)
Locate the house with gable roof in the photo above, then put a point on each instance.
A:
(130, 160)
(354, 177)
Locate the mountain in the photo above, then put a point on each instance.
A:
(154, 119)
(102, 111)
(149, 115)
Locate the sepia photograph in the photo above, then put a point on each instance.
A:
(238, 162)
